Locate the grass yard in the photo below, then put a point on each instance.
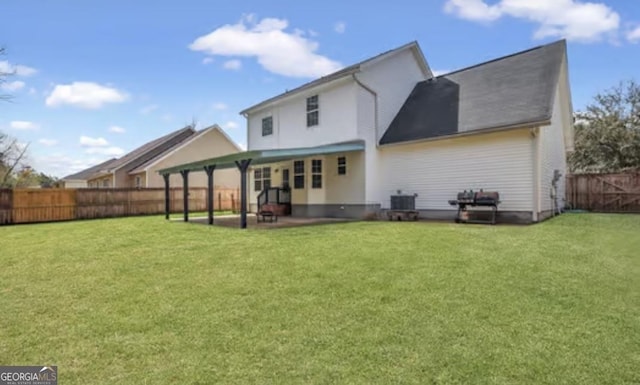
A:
(144, 301)
(195, 214)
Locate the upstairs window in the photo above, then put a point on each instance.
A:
(261, 178)
(342, 165)
(312, 111)
(316, 173)
(267, 126)
(298, 174)
(138, 181)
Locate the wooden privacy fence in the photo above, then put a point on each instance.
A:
(49, 205)
(607, 193)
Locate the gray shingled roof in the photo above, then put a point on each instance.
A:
(510, 91)
(137, 157)
(152, 149)
(85, 174)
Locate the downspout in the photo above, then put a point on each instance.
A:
(375, 103)
(376, 138)
(535, 137)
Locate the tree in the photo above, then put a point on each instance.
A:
(12, 159)
(3, 77)
(607, 135)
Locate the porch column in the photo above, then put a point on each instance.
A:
(209, 170)
(243, 165)
(167, 199)
(185, 194)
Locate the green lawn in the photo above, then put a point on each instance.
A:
(146, 301)
(195, 214)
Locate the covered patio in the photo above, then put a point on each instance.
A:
(252, 221)
(243, 161)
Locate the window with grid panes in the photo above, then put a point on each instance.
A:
(298, 174)
(316, 173)
(313, 110)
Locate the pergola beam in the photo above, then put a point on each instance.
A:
(185, 194)
(167, 199)
(209, 170)
(243, 165)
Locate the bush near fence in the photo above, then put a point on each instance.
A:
(50, 205)
(607, 193)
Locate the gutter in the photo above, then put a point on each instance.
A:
(375, 103)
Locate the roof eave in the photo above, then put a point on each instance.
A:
(313, 84)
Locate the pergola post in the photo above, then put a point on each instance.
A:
(243, 165)
(167, 200)
(209, 170)
(185, 194)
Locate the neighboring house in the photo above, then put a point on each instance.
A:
(139, 167)
(79, 179)
(347, 142)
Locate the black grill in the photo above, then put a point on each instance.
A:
(466, 199)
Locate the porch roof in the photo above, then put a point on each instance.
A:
(266, 156)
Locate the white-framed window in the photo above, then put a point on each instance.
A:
(313, 111)
(342, 165)
(298, 174)
(267, 126)
(261, 178)
(316, 173)
(138, 181)
(105, 183)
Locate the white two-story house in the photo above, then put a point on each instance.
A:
(342, 145)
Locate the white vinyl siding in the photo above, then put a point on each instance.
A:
(438, 170)
(393, 80)
(336, 113)
(553, 156)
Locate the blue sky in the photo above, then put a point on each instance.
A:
(94, 79)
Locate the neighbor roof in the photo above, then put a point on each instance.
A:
(511, 91)
(346, 72)
(86, 174)
(151, 150)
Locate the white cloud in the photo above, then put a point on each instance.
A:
(85, 95)
(110, 151)
(23, 125)
(634, 35)
(117, 130)
(233, 64)
(146, 110)
(207, 60)
(19, 70)
(230, 125)
(340, 27)
(313, 33)
(571, 19)
(220, 106)
(12, 86)
(87, 141)
(277, 51)
(60, 165)
(243, 146)
(48, 142)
